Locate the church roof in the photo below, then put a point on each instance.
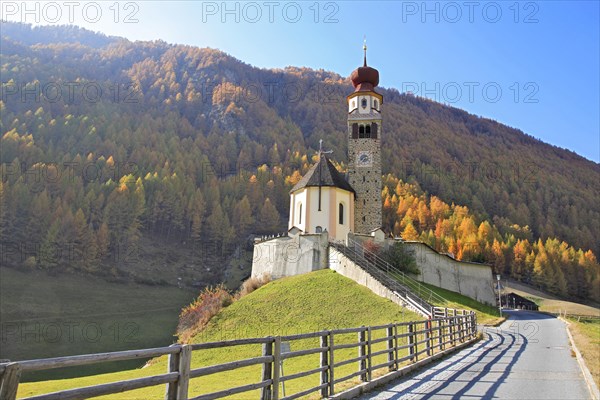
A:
(323, 173)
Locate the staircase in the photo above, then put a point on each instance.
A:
(414, 294)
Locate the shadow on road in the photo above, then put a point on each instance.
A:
(472, 368)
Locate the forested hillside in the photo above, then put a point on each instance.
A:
(107, 143)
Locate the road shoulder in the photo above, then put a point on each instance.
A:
(589, 380)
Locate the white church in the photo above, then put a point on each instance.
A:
(325, 200)
(326, 207)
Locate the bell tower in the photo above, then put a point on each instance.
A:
(364, 147)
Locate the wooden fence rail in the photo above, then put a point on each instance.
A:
(396, 343)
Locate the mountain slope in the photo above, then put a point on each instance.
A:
(178, 132)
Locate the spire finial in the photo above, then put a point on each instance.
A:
(365, 48)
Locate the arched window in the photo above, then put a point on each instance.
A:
(300, 213)
(354, 131)
(318, 229)
(341, 214)
(376, 104)
(368, 131)
(361, 131)
(374, 130)
(363, 103)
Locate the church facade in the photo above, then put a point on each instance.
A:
(324, 199)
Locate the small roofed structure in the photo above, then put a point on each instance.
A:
(514, 301)
(322, 201)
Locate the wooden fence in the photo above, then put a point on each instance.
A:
(378, 348)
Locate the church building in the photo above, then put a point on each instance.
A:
(327, 206)
(325, 200)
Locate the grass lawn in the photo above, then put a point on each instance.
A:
(300, 304)
(586, 333)
(50, 316)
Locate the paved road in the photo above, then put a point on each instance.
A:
(527, 357)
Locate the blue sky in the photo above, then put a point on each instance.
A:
(533, 65)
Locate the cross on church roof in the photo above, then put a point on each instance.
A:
(321, 151)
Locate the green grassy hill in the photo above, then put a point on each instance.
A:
(299, 304)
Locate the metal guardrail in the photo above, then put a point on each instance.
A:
(379, 347)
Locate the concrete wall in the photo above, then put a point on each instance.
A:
(290, 255)
(473, 280)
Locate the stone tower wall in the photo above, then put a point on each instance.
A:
(366, 181)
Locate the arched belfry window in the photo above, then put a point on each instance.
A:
(300, 213)
(341, 214)
(355, 131)
(361, 131)
(368, 131)
(374, 130)
(375, 104)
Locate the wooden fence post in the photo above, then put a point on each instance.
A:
(173, 366)
(369, 352)
(267, 371)
(276, 366)
(185, 361)
(10, 381)
(451, 321)
(411, 342)
(396, 357)
(428, 337)
(325, 363)
(390, 343)
(362, 352)
(331, 365)
(440, 335)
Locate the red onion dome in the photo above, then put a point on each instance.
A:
(364, 78)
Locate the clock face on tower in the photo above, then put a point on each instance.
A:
(364, 159)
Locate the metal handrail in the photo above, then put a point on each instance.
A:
(416, 286)
(404, 292)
